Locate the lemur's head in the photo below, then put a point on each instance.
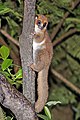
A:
(41, 23)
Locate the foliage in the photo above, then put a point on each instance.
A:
(2, 117)
(9, 14)
(47, 112)
(7, 66)
(63, 95)
(78, 111)
(6, 69)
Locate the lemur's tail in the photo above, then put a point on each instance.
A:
(42, 89)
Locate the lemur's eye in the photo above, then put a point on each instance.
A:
(44, 24)
(39, 22)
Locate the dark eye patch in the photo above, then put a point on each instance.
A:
(38, 22)
(44, 24)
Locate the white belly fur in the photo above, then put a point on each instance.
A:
(36, 47)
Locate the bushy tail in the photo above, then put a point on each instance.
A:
(42, 89)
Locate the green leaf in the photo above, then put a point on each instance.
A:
(76, 20)
(6, 73)
(11, 22)
(2, 116)
(47, 112)
(10, 80)
(78, 112)
(71, 25)
(9, 118)
(50, 103)
(44, 117)
(4, 51)
(4, 10)
(6, 63)
(19, 74)
(19, 81)
(16, 84)
(19, 1)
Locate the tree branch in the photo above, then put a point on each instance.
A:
(9, 37)
(12, 99)
(64, 80)
(63, 36)
(57, 28)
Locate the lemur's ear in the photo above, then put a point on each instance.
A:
(36, 16)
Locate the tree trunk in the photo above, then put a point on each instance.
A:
(26, 50)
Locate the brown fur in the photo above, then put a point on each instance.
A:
(42, 89)
(41, 64)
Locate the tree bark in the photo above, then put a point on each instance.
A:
(26, 50)
(12, 99)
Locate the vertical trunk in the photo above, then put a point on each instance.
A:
(26, 50)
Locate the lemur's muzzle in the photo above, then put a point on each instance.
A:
(41, 27)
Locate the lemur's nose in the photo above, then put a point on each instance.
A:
(41, 26)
